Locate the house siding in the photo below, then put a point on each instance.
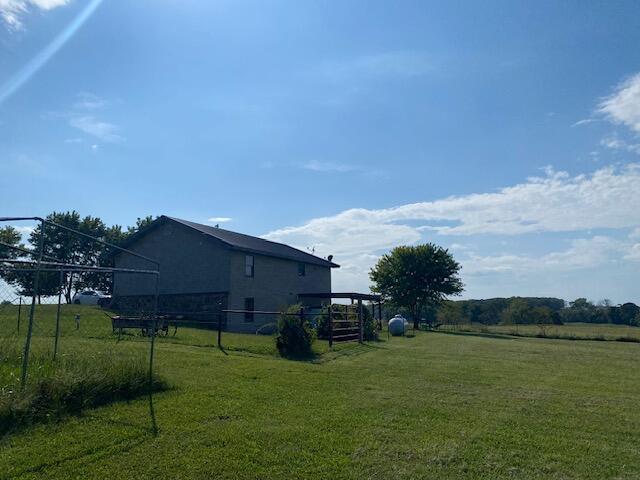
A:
(274, 286)
(193, 269)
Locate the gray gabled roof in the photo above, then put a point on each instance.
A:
(247, 243)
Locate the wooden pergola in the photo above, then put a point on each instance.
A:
(347, 333)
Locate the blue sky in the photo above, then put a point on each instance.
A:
(505, 131)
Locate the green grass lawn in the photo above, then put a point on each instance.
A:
(570, 330)
(432, 406)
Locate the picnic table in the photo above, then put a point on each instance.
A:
(120, 323)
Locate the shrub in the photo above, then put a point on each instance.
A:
(369, 328)
(295, 335)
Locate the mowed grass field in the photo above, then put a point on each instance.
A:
(434, 405)
(577, 331)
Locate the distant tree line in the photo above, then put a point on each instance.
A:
(582, 310)
(534, 310)
(66, 247)
(416, 281)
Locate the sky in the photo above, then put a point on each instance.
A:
(505, 131)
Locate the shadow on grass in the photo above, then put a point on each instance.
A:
(498, 336)
(41, 413)
(140, 427)
(310, 358)
(90, 454)
(351, 351)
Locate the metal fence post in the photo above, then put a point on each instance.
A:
(55, 343)
(19, 312)
(220, 330)
(154, 325)
(330, 325)
(36, 285)
(360, 322)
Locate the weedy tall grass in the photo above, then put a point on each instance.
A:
(68, 385)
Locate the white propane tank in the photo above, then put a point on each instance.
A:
(397, 325)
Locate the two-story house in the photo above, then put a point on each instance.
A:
(205, 268)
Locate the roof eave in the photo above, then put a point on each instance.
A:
(321, 262)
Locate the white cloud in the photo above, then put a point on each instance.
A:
(84, 116)
(48, 4)
(11, 11)
(401, 64)
(634, 253)
(584, 121)
(557, 202)
(316, 166)
(615, 143)
(583, 253)
(608, 198)
(219, 219)
(89, 101)
(24, 232)
(623, 105)
(105, 131)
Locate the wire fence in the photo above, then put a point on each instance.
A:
(33, 320)
(45, 324)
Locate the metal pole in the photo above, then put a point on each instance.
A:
(346, 314)
(34, 294)
(154, 324)
(330, 325)
(360, 322)
(19, 312)
(55, 343)
(220, 330)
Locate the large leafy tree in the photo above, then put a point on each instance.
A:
(103, 282)
(68, 247)
(141, 224)
(416, 277)
(9, 236)
(65, 247)
(20, 276)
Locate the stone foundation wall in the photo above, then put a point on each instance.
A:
(192, 307)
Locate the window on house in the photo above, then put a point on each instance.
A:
(302, 270)
(248, 266)
(249, 304)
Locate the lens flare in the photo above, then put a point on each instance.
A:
(35, 64)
